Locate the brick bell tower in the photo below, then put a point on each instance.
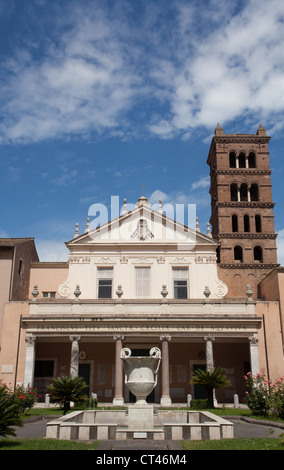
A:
(242, 216)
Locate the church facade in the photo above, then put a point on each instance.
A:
(144, 280)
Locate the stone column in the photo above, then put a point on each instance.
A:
(209, 352)
(254, 361)
(210, 359)
(30, 361)
(118, 392)
(74, 360)
(165, 398)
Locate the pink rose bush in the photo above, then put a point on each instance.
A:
(263, 396)
(277, 391)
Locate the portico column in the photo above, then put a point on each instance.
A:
(30, 361)
(165, 398)
(74, 361)
(209, 352)
(254, 361)
(210, 358)
(118, 392)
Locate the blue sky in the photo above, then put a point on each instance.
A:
(101, 97)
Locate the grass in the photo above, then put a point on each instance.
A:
(235, 444)
(45, 444)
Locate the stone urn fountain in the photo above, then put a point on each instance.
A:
(141, 373)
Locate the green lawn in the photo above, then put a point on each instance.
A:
(235, 444)
(45, 444)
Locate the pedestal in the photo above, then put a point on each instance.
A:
(166, 401)
(140, 417)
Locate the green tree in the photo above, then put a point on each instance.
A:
(210, 379)
(65, 389)
(9, 413)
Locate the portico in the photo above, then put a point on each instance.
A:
(194, 335)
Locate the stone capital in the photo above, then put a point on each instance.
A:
(253, 340)
(165, 338)
(30, 340)
(118, 338)
(209, 338)
(75, 338)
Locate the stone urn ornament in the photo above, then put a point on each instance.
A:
(141, 373)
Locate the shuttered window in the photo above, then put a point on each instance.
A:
(105, 277)
(143, 282)
(180, 278)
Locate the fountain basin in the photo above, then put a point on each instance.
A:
(114, 424)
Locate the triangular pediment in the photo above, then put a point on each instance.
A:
(144, 226)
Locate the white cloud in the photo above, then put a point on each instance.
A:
(158, 195)
(235, 69)
(80, 85)
(203, 182)
(186, 66)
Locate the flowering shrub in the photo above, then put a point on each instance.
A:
(277, 398)
(25, 397)
(264, 396)
(257, 396)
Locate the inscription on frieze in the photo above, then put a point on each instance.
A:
(140, 328)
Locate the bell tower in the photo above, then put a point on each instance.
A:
(242, 216)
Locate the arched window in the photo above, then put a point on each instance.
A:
(251, 160)
(254, 193)
(235, 227)
(246, 223)
(257, 254)
(242, 160)
(258, 223)
(244, 192)
(238, 253)
(234, 192)
(232, 158)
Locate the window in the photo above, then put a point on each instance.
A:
(143, 281)
(49, 295)
(44, 368)
(258, 223)
(244, 192)
(238, 253)
(180, 278)
(242, 160)
(246, 223)
(251, 159)
(21, 267)
(105, 277)
(257, 253)
(254, 193)
(232, 157)
(235, 227)
(234, 192)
